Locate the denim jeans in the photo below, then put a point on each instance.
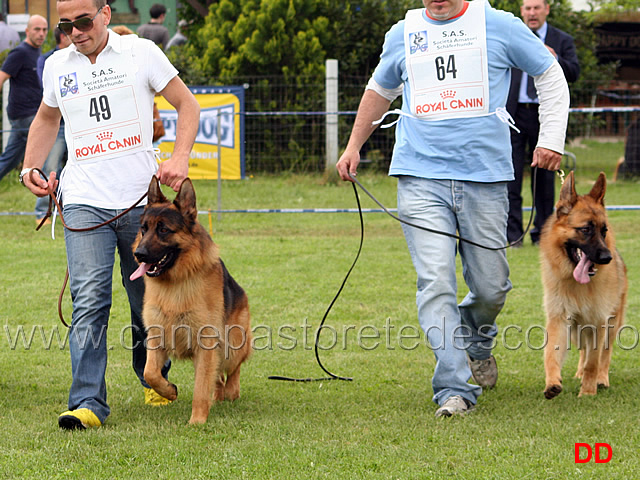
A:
(91, 257)
(14, 151)
(478, 212)
(54, 163)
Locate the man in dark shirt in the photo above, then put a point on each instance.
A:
(154, 30)
(25, 94)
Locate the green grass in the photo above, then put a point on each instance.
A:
(381, 425)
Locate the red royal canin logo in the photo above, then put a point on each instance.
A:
(102, 136)
(108, 145)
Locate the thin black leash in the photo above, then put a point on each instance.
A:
(452, 235)
(355, 182)
(331, 376)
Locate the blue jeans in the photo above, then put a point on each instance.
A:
(14, 151)
(91, 257)
(478, 212)
(54, 163)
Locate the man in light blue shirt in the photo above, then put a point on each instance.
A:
(452, 64)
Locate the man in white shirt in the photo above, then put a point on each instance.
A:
(103, 85)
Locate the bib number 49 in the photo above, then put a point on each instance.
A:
(450, 68)
(99, 108)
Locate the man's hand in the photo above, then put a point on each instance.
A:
(38, 185)
(553, 52)
(172, 173)
(547, 159)
(348, 164)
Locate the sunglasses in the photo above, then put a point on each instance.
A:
(83, 24)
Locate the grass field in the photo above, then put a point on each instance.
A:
(381, 425)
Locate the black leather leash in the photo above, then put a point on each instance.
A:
(355, 182)
(452, 235)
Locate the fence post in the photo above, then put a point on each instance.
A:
(6, 125)
(331, 92)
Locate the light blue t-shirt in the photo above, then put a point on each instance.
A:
(473, 149)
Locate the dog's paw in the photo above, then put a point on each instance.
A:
(173, 392)
(587, 392)
(552, 391)
(603, 382)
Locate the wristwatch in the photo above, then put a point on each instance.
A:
(25, 171)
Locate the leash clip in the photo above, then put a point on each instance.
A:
(561, 175)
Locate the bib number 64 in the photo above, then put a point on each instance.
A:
(442, 70)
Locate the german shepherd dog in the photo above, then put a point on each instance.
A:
(585, 287)
(193, 308)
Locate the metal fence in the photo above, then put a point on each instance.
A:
(285, 124)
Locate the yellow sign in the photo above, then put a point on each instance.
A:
(221, 132)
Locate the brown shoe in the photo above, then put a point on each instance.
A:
(484, 372)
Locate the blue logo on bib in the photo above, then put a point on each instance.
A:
(418, 42)
(68, 84)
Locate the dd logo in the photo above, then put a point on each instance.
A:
(590, 453)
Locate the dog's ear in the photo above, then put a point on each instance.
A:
(599, 189)
(155, 194)
(186, 200)
(568, 196)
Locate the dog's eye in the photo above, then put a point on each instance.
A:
(604, 231)
(162, 230)
(588, 230)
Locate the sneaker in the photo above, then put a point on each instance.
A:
(484, 372)
(455, 405)
(151, 397)
(78, 419)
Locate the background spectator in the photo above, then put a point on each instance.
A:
(154, 30)
(179, 38)
(25, 93)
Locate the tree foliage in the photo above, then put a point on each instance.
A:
(289, 38)
(264, 42)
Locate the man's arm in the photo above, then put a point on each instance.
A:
(42, 135)
(553, 113)
(173, 171)
(372, 107)
(3, 78)
(564, 50)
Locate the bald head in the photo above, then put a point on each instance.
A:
(37, 28)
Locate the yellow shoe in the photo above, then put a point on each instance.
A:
(78, 419)
(151, 397)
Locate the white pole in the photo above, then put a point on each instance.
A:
(331, 87)
(6, 125)
(219, 134)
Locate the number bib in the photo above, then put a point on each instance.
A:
(100, 108)
(447, 65)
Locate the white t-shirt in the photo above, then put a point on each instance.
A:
(108, 112)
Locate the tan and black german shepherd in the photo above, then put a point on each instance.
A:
(193, 308)
(585, 287)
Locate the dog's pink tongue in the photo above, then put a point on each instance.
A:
(581, 272)
(142, 269)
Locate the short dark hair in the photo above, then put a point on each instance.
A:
(57, 34)
(157, 9)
